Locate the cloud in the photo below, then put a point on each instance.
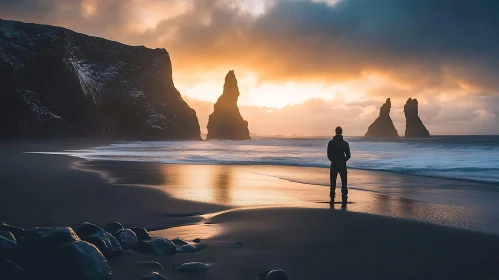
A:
(128, 21)
(318, 117)
(422, 43)
(444, 52)
(315, 117)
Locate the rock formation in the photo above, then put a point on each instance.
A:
(80, 260)
(56, 82)
(383, 125)
(414, 127)
(141, 233)
(105, 242)
(62, 253)
(159, 246)
(127, 238)
(226, 121)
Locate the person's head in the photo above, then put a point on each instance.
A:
(338, 130)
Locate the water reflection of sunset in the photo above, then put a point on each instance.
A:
(246, 186)
(223, 184)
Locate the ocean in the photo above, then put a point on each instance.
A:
(466, 158)
(446, 180)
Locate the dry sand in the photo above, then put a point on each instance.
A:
(325, 244)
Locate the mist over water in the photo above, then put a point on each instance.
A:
(473, 158)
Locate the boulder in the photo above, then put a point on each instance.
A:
(113, 227)
(383, 125)
(197, 240)
(179, 241)
(8, 245)
(10, 270)
(17, 232)
(278, 274)
(35, 251)
(7, 240)
(153, 276)
(126, 238)
(414, 127)
(86, 229)
(188, 248)
(106, 243)
(46, 238)
(141, 233)
(80, 260)
(151, 264)
(192, 267)
(157, 245)
(226, 121)
(162, 246)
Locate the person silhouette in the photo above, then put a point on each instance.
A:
(338, 153)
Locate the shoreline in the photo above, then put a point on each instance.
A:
(461, 180)
(468, 160)
(228, 185)
(255, 186)
(295, 234)
(45, 190)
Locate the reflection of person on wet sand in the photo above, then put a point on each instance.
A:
(338, 152)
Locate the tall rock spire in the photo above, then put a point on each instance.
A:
(383, 125)
(226, 121)
(414, 127)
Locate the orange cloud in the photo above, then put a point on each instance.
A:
(319, 40)
(318, 117)
(342, 56)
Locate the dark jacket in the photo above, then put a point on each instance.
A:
(338, 152)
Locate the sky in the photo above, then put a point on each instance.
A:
(306, 66)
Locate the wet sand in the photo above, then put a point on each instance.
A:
(283, 224)
(46, 190)
(387, 194)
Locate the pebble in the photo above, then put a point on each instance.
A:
(278, 274)
(153, 276)
(188, 248)
(192, 267)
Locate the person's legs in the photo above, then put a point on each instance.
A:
(333, 175)
(344, 188)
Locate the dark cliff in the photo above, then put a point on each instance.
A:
(383, 125)
(414, 127)
(56, 82)
(226, 121)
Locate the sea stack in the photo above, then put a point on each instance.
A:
(383, 125)
(226, 121)
(414, 126)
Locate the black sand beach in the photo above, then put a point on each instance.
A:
(46, 190)
(321, 243)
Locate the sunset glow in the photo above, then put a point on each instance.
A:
(341, 54)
